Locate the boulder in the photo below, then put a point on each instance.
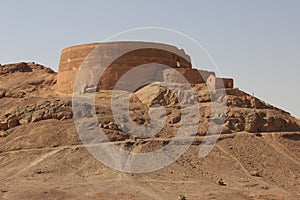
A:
(25, 119)
(157, 93)
(12, 122)
(2, 93)
(3, 125)
(37, 116)
(175, 119)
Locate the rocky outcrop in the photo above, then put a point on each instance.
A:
(22, 79)
(259, 120)
(243, 112)
(157, 93)
(23, 67)
(57, 109)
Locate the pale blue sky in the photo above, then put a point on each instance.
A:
(255, 42)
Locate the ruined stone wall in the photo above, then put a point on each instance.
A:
(194, 76)
(224, 83)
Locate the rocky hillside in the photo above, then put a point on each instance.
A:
(42, 157)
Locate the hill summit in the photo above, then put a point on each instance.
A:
(42, 156)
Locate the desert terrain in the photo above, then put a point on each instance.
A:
(257, 156)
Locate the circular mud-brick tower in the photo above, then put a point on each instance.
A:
(143, 53)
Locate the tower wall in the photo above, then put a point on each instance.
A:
(72, 58)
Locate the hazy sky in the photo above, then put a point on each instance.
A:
(255, 42)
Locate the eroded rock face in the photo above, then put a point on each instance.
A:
(45, 110)
(22, 79)
(243, 111)
(22, 67)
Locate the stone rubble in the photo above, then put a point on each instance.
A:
(58, 109)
